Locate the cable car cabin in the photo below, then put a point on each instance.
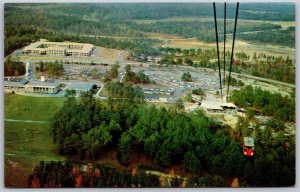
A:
(248, 146)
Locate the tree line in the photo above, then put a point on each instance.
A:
(202, 30)
(270, 104)
(17, 37)
(49, 19)
(51, 68)
(260, 64)
(136, 11)
(13, 68)
(136, 78)
(85, 127)
(76, 174)
(284, 37)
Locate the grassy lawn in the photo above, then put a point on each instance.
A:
(26, 144)
(30, 108)
(29, 143)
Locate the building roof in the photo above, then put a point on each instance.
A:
(87, 48)
(54, 48)
(16, 83)
(249, 141)
(33, 46)
(211, 105)
(80, 86)
(84, 47)
(73, 50)
(49, 83)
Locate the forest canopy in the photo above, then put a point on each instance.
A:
(85, 127)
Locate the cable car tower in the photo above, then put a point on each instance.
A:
(224, 51)
(248, 142)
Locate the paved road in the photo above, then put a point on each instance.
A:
(96, 52)
(29, 71)
(267, 80)
(98, 93)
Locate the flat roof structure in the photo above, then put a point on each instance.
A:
(13, 83)
(208, 105)
(49, 83)
(80, 86)
(42, 87)
(33, 86)
(44, 47)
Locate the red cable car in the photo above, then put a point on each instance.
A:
(248, 146)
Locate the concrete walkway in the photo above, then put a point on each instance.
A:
(25, 121)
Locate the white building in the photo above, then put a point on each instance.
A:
(25, 86)
(44, 47)
(42, 87)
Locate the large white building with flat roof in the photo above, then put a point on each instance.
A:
(42, 87)
(33, 86)
(44, 47)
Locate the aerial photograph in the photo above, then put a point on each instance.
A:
(149, 95)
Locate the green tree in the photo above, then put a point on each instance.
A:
(199, 92)
(113, 73)
(186, 76)
(142, 77)
(124, 146)
(70, 93)
(250, 113)
(189, 97)
(179, 104)
(179, 61)
(188, 61)
(191, 162)
(97, 138)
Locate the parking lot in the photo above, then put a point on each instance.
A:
(84, 72)
(169, 85)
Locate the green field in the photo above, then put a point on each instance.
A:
(30, 108)
(29, 142)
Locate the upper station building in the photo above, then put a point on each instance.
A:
(44, 47)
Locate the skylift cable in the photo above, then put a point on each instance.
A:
(224, 40)
(236, 16)
(216, 29)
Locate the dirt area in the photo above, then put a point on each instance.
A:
(161, 36)
(189, 43)
(248, 47)
(230, 120)
(268, 49)
(109, 156)
(274, 88)
(110, 56)
(240, 46)
(15, 174)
